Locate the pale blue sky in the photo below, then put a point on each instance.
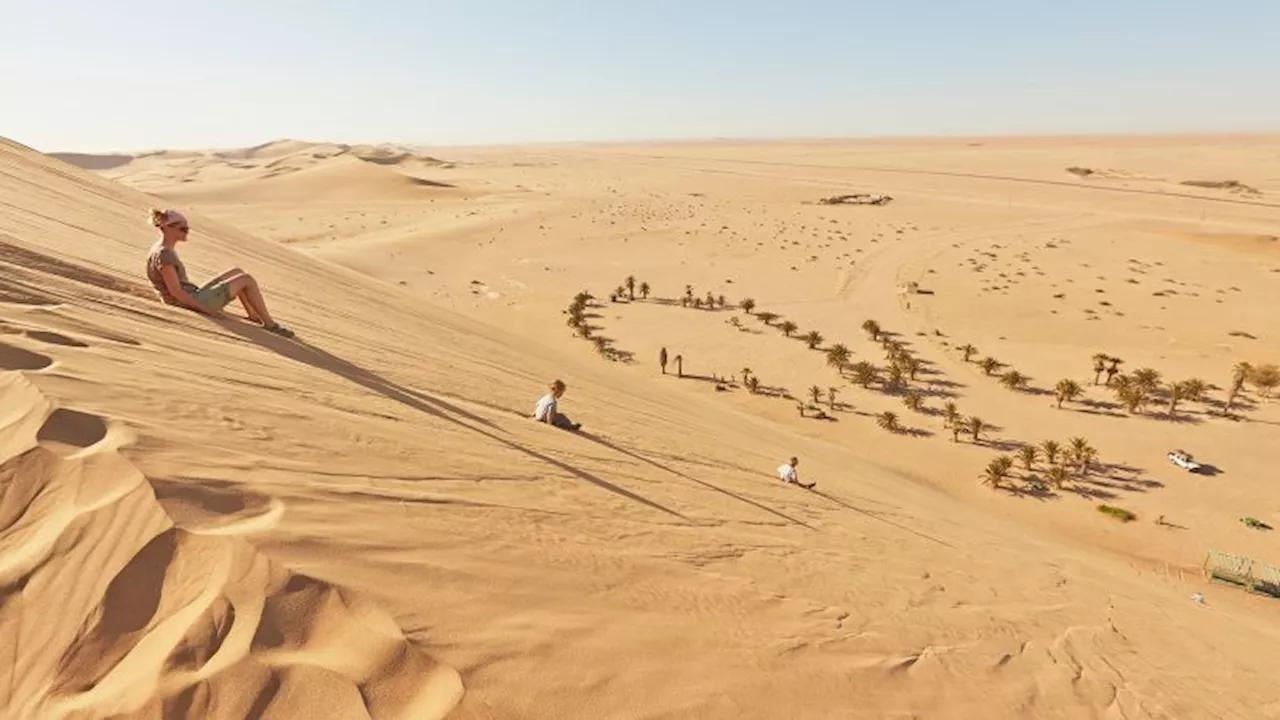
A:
(100, 75)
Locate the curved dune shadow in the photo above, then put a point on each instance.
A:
(66, 431)
(206, 503)
(54, 338)
(16, 358)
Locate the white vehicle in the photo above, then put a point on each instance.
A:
(1183, 459)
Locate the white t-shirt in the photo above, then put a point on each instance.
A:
(787, 473)
(545, 405)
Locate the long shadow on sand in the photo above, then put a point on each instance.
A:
(667, 468)
(303, 352)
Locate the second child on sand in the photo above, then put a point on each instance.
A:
(788, 473)
(548, 409)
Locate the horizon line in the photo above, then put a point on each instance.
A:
(695, 140)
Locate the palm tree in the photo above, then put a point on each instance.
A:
(913, 400)
(753, 384)
(831, 397)
(697, 303)
(1050, 449)
(1265, 379)
(968, 351)
(767, 317)
(746, 375)
(975, 426)
(1148, 379)
(1099, 365)
(721, 301)
(912, 366)
(1239, 374)
(1194, 389)
(864, 373)
(1086, 459)
(815, 392)
(1014, 380)
(1176, 391)
(601, 343)
(1081, 454)
(813, 339)
(1113, 367)
(1028, 454)
(989, 365)
(644, 290)
(630, 282)
(872, 328)
(1066, 389)
(620, 291)
(838, 357)
(747, 305)
(996, 471)
(787, 327)
(956, 429)
(888, 421)
(951, 415)
(1057, 475)
(688, 293)
(710, 302)
(897, 377)
(583, 330)
(582, 298)
(1129, 392)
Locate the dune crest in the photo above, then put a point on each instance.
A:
(110, 609)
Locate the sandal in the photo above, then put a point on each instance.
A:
(280, 330)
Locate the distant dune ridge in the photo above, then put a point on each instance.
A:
(202, 519)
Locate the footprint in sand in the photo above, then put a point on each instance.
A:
(16, 358)
(216, 507)
(67, 432)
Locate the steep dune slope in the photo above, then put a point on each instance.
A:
(651, 568)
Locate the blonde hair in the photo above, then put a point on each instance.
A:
(557, 385)
(158, 217)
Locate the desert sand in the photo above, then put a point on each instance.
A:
(201, 519)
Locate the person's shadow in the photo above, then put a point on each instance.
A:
(300, 350)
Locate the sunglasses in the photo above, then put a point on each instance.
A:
(180, 228)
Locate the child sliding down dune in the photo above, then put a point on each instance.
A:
(169, 277)
(788, 474)
(548, 409)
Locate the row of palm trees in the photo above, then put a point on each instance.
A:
(1077, 458)
(711, 302)
(577, 320)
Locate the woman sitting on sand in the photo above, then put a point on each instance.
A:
(169, 277)
(548, 411)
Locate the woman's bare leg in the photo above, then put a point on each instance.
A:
(246, 289)
(227, 275)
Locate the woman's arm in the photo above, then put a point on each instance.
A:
(179, 293)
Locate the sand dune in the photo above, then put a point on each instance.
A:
(344, 179)
(202, 519)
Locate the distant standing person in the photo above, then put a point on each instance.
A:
(169, 278)
(662, 360)
(788, 473)
(548, 409)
